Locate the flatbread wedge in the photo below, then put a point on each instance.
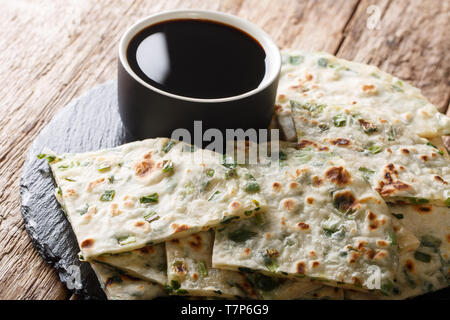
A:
(119, 286)
(324, 222)
(146, 192)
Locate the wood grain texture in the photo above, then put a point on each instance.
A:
(53, 50)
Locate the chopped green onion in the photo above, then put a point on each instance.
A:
(167, 166)
(296, 60)
(111, 179)
(374, 149)
(175, 284)
(202, 268)
(339, 120)
(416, 201)
(367, 173)
(169, 145)
(323, 62)
(210, 172)
(282, 156)
(126, 240)
(430, 241)
(211, 197)
(251, 186)
(151, 198)
(241, 235)
(422, 256)
(108, 195)
(398, 215)
(151, 216)
(228, 162)
(229, 219)
(392, 238)
(104, 167)
(432, 145)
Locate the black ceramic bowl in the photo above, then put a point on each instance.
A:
(147, 111)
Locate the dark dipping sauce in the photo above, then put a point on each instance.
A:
(197, 58)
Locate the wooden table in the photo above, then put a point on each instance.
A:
(51, 51)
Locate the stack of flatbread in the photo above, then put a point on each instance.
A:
(355, 206)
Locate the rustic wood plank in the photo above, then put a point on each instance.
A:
(52, 51)
(412, 42)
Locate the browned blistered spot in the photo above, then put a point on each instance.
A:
(353, 257)
(88, 243)
(340, 142)
(448, 238)
(389, 185)
(298, 172)
(273, 253)
(304, 143)
(289, 204)
(283, 221)
(303, 226)
(396, 229)
(389, 150)
(310, 200)
(323, 148)
(235, 205)
(315, 264)
(312, 254)
(94, 183)
(402, 168)
(405, 151)
(309, 76)
(424, 209)
(178, 228)
(301, 268)
(372, 216)
(293, 185)
(175, 240)
(424, 157)
(115, 209)
(276, 186)
(267, 235)
(338, 175)
(70, 192)
(195, 276)
(147, 250)
(140, 224)
(382, 221)
(278, 108)
(143, 167)
(381, 254)
(196, 242)
(247, 251)
(368, 87)
(345, 201)
(361, 244)
(357, 281)
(367, 125)
(434, 155)
(382, 243)
(373, 226)
(316, 181)
(409, 265)
(370, 253)
(438, 178)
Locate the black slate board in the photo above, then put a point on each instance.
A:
(90, 122)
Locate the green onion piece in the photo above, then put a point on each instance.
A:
(41, 155)
(416, 201)
(391, 134)
(108, 195)
(323, 62)
(202, 269)
(367, 173)
(229, 219)
(111, 179)
(447, 202)
(104, 167)
(241, 235)
(182, 291)
(211, 197)
(270, 264)
(296, 60)
(169, 145)
(83, 210)
(374, 149)
(70, 179)
(175, 284)
(151, 198)
(151, 216)
(422, 256)
(167, 166)
(210, 172)
(230, 174)
(126, 240)
(430, 241)
(282, 156)
(251, 186)
(228, 162)
(432, 145)
(392, 238)
(398, 215)
(339, 120)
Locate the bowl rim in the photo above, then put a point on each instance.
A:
(272, 51)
